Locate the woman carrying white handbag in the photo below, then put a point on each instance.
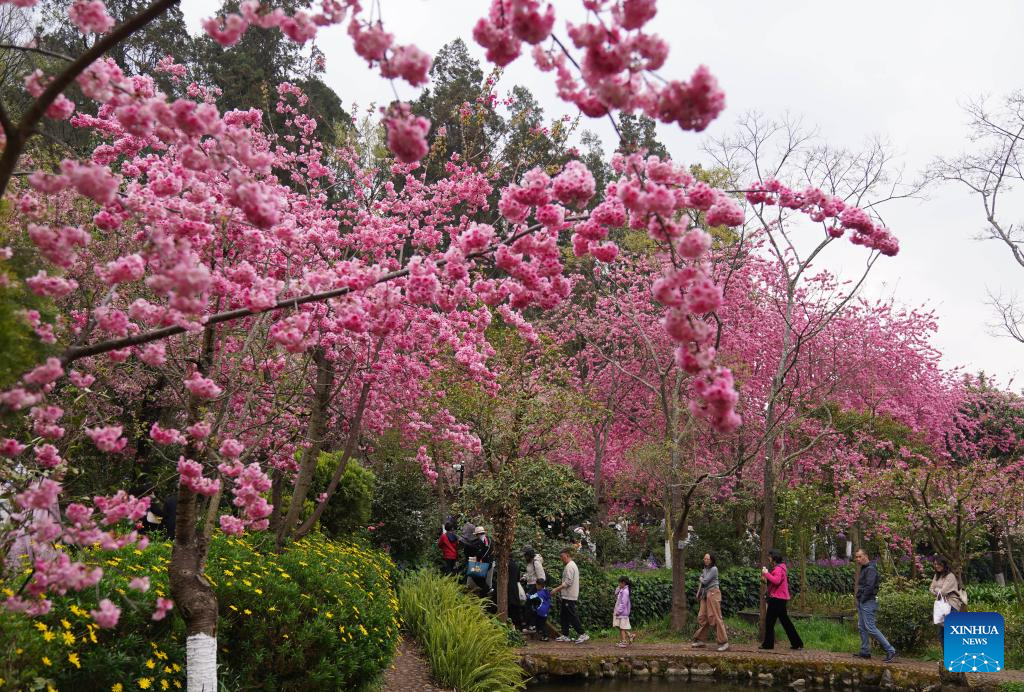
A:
(949, 595)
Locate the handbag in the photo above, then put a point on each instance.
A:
(940, 610)
(478, 569)
(522, 593)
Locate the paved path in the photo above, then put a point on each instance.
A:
(409, 671)
(747, 652)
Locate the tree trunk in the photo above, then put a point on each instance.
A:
(602, 506)
(315, 435)
(767, 533)
(998, 568)
(355, 429)
(194, 597)
(679, 613)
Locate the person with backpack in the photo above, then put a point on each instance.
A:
(777, 590)
(449, 545)
(620, 616)
(867, 608)
(946, 587)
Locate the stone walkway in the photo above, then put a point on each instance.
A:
(568, 653)
(409, 671)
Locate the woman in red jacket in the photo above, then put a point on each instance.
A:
(777, 584)
(449, 545)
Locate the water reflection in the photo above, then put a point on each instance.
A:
(656, 685)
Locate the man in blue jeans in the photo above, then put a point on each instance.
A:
(867, 608)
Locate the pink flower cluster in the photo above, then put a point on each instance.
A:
(191, 473)
(250, 483)
(202, 387)
(618, 62)
(90, 16)
(508, 24)
(822, 207)
(407, 133)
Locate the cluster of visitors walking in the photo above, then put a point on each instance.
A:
(531, 598)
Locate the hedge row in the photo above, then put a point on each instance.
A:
(320, 616)
(652, 591)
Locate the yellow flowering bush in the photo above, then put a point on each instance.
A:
(321, 616)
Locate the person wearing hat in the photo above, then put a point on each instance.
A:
(480, 549)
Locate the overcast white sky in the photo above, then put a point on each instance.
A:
(899, 70)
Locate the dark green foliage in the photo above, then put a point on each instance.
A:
(349, 509)
(554, 496)
(905, 617)
(639, 132)
(652, 592)
(404, 516)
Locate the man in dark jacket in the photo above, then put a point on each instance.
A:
(867, 608)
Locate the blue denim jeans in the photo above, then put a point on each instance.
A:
(866, 613)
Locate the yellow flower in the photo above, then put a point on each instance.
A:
(144, 683)
(177, 668)
(233, 608)
(47, 662)
(69, 638)
(164, 685)
(73, 659)
(247, 611)
(41, 626)
(80, 612)
(117, 687)
(177, 683)
(329, 615)
(150, 664)
(65, 624)
(49, 636)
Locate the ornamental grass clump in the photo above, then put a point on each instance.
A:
(468, 649)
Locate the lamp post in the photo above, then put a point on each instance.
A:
(461, 469)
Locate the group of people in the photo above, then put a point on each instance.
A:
(530, 601)
(944, 586)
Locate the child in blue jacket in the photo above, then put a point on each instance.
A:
(541, 600)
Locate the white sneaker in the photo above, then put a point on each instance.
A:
(562, 638)
(697, 645)
(583, 638)
(724, 647)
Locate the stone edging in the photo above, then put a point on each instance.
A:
(798, 674)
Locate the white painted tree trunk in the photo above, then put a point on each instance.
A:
(668, 554)
(201, 663)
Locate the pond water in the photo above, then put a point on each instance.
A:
(637, 685)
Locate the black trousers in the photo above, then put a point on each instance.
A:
(570, 618)
(449, 565)
(942, 631)
(777, 612)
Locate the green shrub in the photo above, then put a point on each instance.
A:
(467, 649)
(348, 511)
(905, 617)
(321, 616)
(405, 515)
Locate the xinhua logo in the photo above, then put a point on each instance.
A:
(973, 642)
